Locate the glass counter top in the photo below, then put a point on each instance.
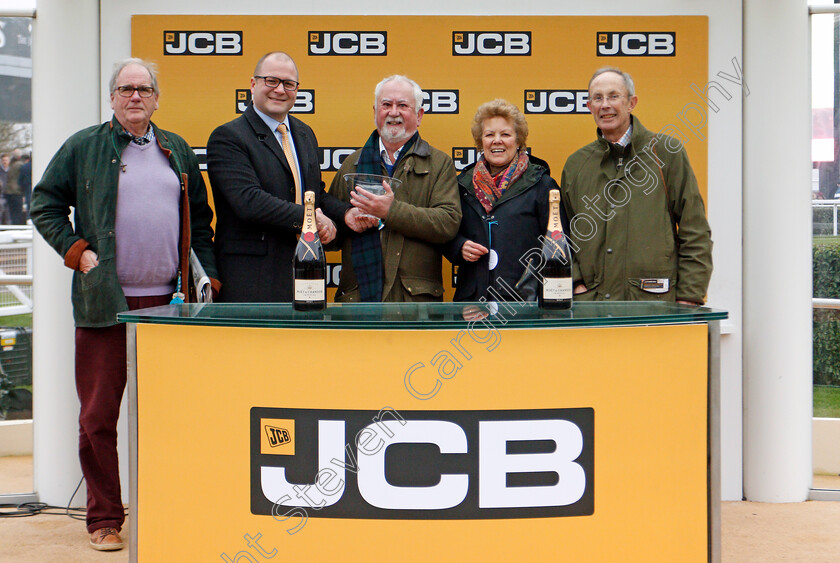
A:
(423, 316)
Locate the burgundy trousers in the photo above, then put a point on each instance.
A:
(100, 383)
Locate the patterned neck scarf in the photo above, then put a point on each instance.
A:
(366, 247)
(144, 140)
(488, 188)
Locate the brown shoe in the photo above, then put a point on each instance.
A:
(106, 539)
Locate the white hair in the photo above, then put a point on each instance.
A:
(418, 92)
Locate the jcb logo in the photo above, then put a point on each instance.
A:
(489, 43)
(636, 44)
(304, 101)
(556, 101)
(428, 464)
(202, 43)
(201, 154)
(333, 274)
(463, 157)
(277, 436)
(440, 101)
(332, 157)
(348, 43)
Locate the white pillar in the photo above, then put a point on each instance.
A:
(65, 98)
(777, 252)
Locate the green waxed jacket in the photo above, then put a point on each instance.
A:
(642, 220)
(84, 174)
(426, 212)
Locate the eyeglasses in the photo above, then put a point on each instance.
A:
(613, 98)
(273, 82)
(128, 91)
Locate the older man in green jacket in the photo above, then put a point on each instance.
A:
(638, 224)
(139, 205)
(402, 261)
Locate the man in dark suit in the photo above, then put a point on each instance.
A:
(257, 188)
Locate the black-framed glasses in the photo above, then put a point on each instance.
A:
(128, 91)
(273, 82)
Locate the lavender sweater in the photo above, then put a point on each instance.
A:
(147, 222)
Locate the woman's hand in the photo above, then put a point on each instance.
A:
(472, 251)
(474, 313)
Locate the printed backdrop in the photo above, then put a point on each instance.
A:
(541, 64)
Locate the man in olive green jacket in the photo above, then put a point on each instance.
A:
(424, 211)
(638, 224)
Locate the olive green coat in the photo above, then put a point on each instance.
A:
(425, 213)
(644, 219)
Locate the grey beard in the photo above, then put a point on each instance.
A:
(394, 138)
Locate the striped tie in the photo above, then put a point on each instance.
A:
(287, 150)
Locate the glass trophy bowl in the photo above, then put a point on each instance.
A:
(370, 183)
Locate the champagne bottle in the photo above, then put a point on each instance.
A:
(556, 290)
(310, 264)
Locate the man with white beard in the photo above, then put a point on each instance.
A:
(397, 258)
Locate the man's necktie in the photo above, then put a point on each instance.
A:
(287, 150)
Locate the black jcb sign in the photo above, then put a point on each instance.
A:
(425, 464)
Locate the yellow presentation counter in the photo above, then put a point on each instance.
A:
(424, 432)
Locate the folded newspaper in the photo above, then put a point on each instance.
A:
(201, 281)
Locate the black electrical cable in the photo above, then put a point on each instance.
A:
(17, 510)
(69, 502)
(35, 508)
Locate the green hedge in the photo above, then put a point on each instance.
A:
(823, 221)
(827, 267)
(827, 321)
(826, 347)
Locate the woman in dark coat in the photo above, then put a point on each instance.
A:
(504, 200)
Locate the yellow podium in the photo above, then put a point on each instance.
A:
(404, 432)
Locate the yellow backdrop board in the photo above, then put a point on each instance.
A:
(541, 64)
(200, 388)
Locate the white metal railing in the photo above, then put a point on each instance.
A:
(826, 203)
(821, 303)
(824, 9)
(9, 12)
(15, 269)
